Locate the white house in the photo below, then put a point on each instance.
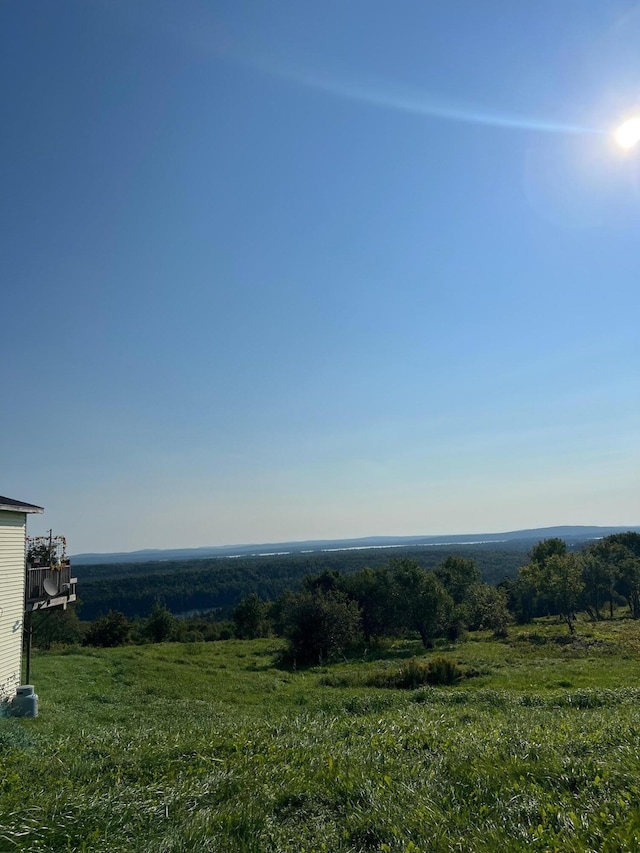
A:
(13, 527)
(48, 584)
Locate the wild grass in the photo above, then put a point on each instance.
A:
(211, 747)
(410, 674)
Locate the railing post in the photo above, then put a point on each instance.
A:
(28, 633)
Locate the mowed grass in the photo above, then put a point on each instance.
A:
(212, 747)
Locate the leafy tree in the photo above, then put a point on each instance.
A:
(520, 598)
(598, 583)
(114, 629)
(421, 602)
(372, 590)
(250, 617)
(457, 574)
(160, 626)
(605, 555)
(559, 579)
(628, 569)
(57, 625)
(615, 561)
(530, 595)
(541, 552)
(486, 609)
(328, 579)
(319, 625)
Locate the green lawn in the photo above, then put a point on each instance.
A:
(211, 747)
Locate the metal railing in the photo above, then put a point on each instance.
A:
(45, 582)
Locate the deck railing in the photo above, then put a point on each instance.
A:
(61, 586)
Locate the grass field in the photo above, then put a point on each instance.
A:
(211, 747)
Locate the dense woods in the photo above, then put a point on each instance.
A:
(221, 583)
(356, 599)
(604, 575)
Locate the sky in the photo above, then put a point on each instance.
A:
(293, 270)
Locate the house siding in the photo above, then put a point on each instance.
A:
(12, 573)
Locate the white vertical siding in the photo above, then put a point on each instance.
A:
(12, 572)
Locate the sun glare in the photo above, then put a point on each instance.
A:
(628, 134)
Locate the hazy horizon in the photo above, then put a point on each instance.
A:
(470, 538)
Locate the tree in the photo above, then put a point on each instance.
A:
(457, 574)
(421, 602)
(559, 579)
(530, 594)
(624, 554)
(319, 625)
(485, 609)
(372, 590)
(250, 617)
(114, 629)
(546, 548)
(566, 584)
(598, 586)
(615, 564)
(520, 598)
(327, 580)
(161, 626)
(605, 557)
(57, 625)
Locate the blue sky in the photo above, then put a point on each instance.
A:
(293, 270)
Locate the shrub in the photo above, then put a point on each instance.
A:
(114, 629)
(161, 626)
(250, 617)
(412, 674)
(319, 625)
(443, 671)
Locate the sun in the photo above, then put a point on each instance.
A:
(628, 134)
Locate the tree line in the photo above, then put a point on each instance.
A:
(596, 580)
(328, 615)
(220, 583)
(333, 612)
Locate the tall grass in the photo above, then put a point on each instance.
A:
(210, 747)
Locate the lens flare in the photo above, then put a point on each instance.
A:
(628, 134)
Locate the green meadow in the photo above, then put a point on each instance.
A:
(214, 747)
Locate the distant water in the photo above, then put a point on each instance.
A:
(403, 545)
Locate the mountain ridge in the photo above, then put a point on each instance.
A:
(574, 533)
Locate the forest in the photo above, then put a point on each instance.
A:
(329, 613)
(218, 584)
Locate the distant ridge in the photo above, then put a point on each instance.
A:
(572, 534)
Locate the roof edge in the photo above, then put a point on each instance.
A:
(11, 505)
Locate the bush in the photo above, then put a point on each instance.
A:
(443, 671)
(250, 618)
(412, 674)
(319, 625)
(161, 626)
(114, 629)
(57, 627)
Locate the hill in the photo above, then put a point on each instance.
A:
(570, 533)
(212, 747)
(216, 584)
